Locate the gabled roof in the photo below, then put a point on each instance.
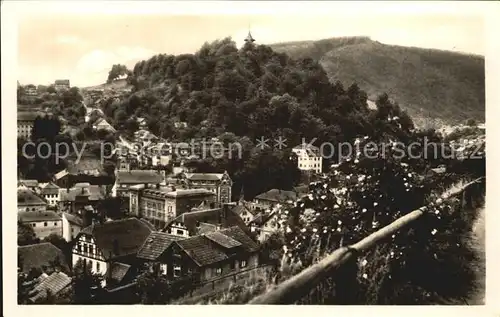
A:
(222, 240)
(35, 216)
(120, 237)
(29, 182)
(26, 197)
(218, 217)
(50, 189)
(204, 176)
(93, 192)
(241, 207)
(36, 256)
(278, 196)
(138, 177)
(239, 235)
(156, 244)
(54, 283)
(73, 219)
(216, 247)
(201, 250)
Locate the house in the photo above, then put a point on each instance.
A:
(245, 211)
(91, 111)
(267, 200)
(160, 205)
(125, 179)
(25, 122)
(203, 221)
(31, 184)
(54, 284)
(218, 183)
(28, 201)
(264, 225)
(142, 123)
(72, 200)
(110, 248)
(40, 257)
(50, 192)
(72, 225)
(61, 84)
(180, 124)
(308, 158)
(102, 124)
(44, 223)
(202, 257)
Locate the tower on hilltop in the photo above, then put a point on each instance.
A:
(249, 39)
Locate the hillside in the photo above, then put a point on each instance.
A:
(116, 84)
(427, 83)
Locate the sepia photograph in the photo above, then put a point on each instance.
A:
(274, 158)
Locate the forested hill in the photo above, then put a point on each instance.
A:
(253, 91)
(428, 83)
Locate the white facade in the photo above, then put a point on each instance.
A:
(308, 160)
(69, 230)
(86, 250)
(24, 129)
(52, 199)
(43, 229)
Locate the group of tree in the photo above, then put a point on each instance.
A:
(117, 71)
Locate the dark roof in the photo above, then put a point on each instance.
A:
(73, 219)
(50, 189)
(54, 283)
(222, 240)
(192, 220)
(120, 237)
(39, 255)
(213, 247)
(29, 182)
(27, 116)
(204, 176)
(26, 197)
(201, 250)
(35, 216)
(85, 165)
(239, 235)
(278, 196)
(94, 192)
(119, 271)
(139, 177)
(156, 244)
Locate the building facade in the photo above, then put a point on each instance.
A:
(308, 158)
(43, 223)
(218, 183)
(25, 122)
(28, 201)
(61, 84)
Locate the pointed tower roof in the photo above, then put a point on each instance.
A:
(249, 38)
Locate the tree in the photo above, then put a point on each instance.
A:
(25, 234)
(86, 285)
(116, 71)
(471, 122)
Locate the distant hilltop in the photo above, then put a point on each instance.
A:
(427, 83)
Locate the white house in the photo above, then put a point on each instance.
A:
(72, 225)
(308, 158)
(43, 223)
(50, 192)
(107, 244)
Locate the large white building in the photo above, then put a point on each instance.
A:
(308, 158)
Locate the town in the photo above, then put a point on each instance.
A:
(186, 179)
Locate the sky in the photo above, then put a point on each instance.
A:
(81, 44)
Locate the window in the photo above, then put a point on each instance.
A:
(85, 248)
(79, 247)
(163, 269)
(243, 263)
(181, 232)
(33, 224)
(177, 271)
(91, 249)
(45, 224)
(91, 264)
(97, 265)
(55, 224)
(218, 271)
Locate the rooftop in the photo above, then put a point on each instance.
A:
(189, 193)
(73, 219)
(139, 177)
(27, 116)
(49, 189)
(156, 244)
(54, 283)
(35, 216)
(93, 192)
(26, 197)
(37, 256)
(120, 237)
(204, 176)
(278, 195)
